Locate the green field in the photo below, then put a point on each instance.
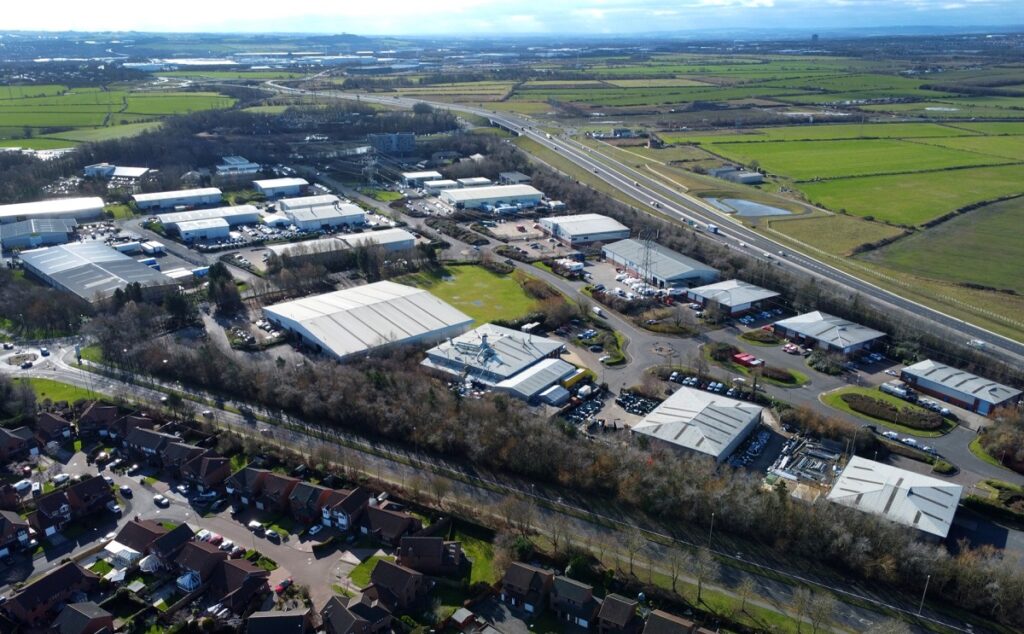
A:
(955, 250)
(837, 234)
(233, 74)
(1004, 147)
(56, 391)
(40, 143)
(105, 134)
(474, 290)
(825, 132)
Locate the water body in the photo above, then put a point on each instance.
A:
(747, 208)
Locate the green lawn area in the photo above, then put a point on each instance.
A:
(238, 461)
(55, 390)
(482, 555)
(833, 399)
(959, 249)
(92, 353)
(360, 575)
(481, 294)
(980, 453)
(77, 446)
(382, 195)
(836, 234)
(101, 567)
(119, 211)
(86, 135)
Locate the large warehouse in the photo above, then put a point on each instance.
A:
(702, 422)
(386, 239)
(905, 497)
(91, 270)
(735, 296)
(491, 354)
(180, 198)
(958, 387)
(77, 208)
(204, 230)
(41, 232)
(274, 187)
(415, 179)
(233, 216)
(584, 228)
(827, 332)
(356, 321)
(476, 197)
(657, 265)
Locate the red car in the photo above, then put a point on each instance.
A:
(284, 585)
(216, 539)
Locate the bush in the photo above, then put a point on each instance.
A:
(888, 412)
(722, 351)
(781, 375)
(943, 468)
(760, 336)
(826, 363)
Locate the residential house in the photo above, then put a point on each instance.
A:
(340, 616)
(275, 491)
(124, 425)
(659, 622)
(343, 508)
(397, 588)
(55, 510)
(246, 484)
(35, 604)
(307, 502)
(148, 443)
(235, 582)
(139, 535)
(618, 616)
(574, 602)
(17, 444)
(95, 417)
(197, 561)
(177, 454)
(88, 495)
(52, 428)
(10, 499)
(389, 526)
(52, 514)
(83, 618)
(13, 532)
(527, 587)
(167, 546)
(279, 622)
(206, 471)
(430, 555)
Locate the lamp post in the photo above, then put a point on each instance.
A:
(711, 531)
(923, 594)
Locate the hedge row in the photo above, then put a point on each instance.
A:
(781, 375)
(888, 412)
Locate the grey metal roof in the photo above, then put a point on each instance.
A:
(494, 350)
(88, 269)
(701, 421)
(384, 238)
(537, 378)
(491, 192)
(830, 329)
(325, 212)
(74, 207)
(961, 381)
(173, 195)
(37, 225)
(732, 293)
(585, 224)
(203, 223)
(234, 215)
(320, 200)
(665, 263)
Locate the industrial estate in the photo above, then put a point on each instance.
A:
(414, 336)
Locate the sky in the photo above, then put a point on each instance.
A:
(500, 17)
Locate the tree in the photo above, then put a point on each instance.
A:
(421, 108)
(821, 609)
(705, 568)
(439, 487)
(676, 561)
(634, 542)
(558, 529)
(801, 605)
(745, 590)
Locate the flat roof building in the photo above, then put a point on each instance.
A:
(735, 296)
(38, 232)
(658, 265)
(584, 228)
(356, 321)
(474, 181)
(91, 270)
(204, 230)
(491, 354)
(702, 422)
(386, 239)
(109, 172)
(183, 197)
(274, 187)
(305, 202)
(536, 379)
(513, 178)
(235, 215)
(327, 216)
(476, 197)
(438, 186)
(77, 208)
(415, 179)
(828, 332)
(959, 387)
(905, 497)
(235, 165)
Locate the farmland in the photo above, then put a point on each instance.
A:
(838, 235)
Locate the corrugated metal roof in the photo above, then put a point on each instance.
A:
(537, 378)
(233, 215)
(961, 381)
(492, 192)
(701, 421)
(492, 349)
(88, 269)
(585, 224)
(183, 193)
(830, 329)
(732, 293)
(73, 207)
(321, 200)
(665, 264)
(37, 225)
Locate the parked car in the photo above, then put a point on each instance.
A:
(182, 489)
(114, 507)
(161, 501)
(126, 491)
(284, 585)
(237, 552)
(272, 535)
(256, 527)
(227, 545)
(314, 529)
(22, 486)
(204, 535)
(216, 539)
(61, 478)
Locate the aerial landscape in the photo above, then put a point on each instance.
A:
(615, 317)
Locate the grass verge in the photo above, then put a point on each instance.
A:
(834, 400)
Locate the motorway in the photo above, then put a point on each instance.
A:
(676, 204)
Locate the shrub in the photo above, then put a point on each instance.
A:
(760, 336)
(781, 375)
(944, 468)
(826, 363)
(888, 412)
(722, 351)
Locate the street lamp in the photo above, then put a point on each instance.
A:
(711, 531)
(923, 594)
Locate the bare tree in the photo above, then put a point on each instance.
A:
(821, 610)
(801, 605)
(889, 626)
(745, 590)
(705, 568)
(633, 542)
(677, 560)
(439, 487)
(558, 529)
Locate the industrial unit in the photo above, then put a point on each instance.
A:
(513, 178)
(77, 208)
(476, 197)
(828, 332)
(474, 181)
(735, 296)
(492, 354)
(274, 187)
(39, 232)
(438, 186)
(904, 497)
(584, 228)
(356, 321)
(180, 198)
(658, 265)
(233, 216)
(702, 422)
(114, 172)
(91, 270)
(236, 165)
(959, 387)
(327, 211)
(386, 239)
(204, 230)
(415, 179)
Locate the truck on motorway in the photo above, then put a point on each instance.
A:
(712, 228)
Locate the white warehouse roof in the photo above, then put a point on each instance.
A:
(537, 378)
(321, 200)
(237, 214)
(172, 195)
(272, 183)
(387, 238)
(701, 421)
(326, 212)
(585, 224)
(491, 353)
(919, 501)
(356, 320)
(69, 207)
(665, 264)
(961, 381)
(493, 192)
(732, 293)
(830, 329)
(427, 175)
(204, 223)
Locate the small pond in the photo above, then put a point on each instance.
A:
(747, 208)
